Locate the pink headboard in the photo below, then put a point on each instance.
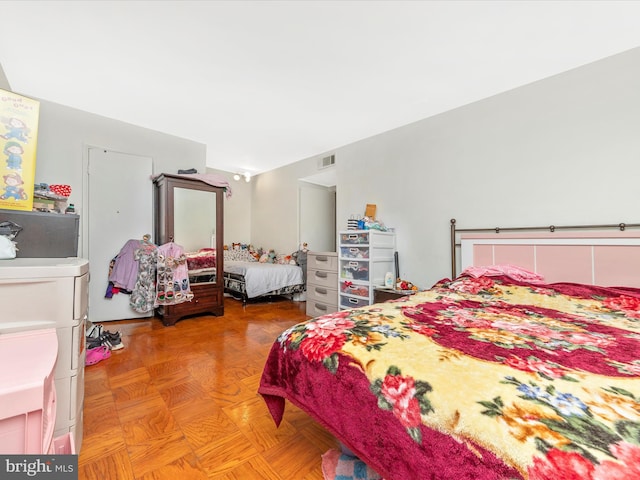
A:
(610, 258)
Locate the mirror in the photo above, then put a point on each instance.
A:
(194, 219)
(317, 217)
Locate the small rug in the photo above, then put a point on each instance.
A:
(339, 466)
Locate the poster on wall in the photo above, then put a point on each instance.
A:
(18, 143)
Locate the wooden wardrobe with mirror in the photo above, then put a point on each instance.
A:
(189, 212)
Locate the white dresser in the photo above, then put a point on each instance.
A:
(322, 283)
(39, 293)
(365, 258)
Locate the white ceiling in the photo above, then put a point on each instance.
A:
(267, 83)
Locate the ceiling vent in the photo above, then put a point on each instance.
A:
(326, 161)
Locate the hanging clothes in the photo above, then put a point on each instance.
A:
(143, 292)
(172, 285)
(124, 273)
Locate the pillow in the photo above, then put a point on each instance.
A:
(239, 256)
(203, 258)
(512, 271)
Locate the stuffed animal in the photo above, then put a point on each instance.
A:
(299, 257)
(267, 257)
(283, 259)
(254, 253)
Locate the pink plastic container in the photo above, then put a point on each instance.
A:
(63, 445)
(27, 391)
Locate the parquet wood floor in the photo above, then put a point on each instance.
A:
(181, 403)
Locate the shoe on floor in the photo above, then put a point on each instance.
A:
(97, 354)
(94, 330)
(114, 339)
(108, 339)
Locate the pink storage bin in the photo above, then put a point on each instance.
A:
(27, 391)
(63, 445)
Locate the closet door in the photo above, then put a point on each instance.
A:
(120, 201)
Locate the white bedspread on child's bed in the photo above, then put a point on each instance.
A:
(261, 278)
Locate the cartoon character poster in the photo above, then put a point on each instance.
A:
(18, 145)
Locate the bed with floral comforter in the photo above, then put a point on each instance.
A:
(477, 378)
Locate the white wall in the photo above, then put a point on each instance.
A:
(274, 206)
(272, 221)
(4, 81)
(564, 150)
(237, 210)
(64, 134)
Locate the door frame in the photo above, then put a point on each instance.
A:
(84, 219)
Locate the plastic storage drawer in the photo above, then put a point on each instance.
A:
(354, 238)
(354, 270)
(354, 252)
(316, 293)
(320, 261)
(317, 309)
(353, 302)
(351, 288)
(322, 278)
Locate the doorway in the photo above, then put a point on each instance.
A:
(317, 211)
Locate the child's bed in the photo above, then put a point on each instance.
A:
(497, 374)
(251, 280)
(244, 277)
(247, 278)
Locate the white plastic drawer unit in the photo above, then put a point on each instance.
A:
(322, 283)
(366, 256)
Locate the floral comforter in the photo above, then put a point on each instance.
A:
(477, 378)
